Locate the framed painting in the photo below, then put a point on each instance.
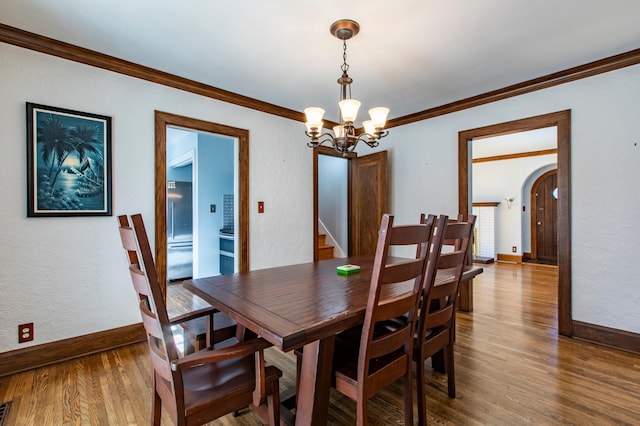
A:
(68, 162)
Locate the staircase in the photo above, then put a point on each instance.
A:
(325, 251)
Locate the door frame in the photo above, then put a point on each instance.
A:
(533, 221)
(164, 119)
(562, 121)
(350, 157)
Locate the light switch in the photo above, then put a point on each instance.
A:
(213, 208)
(260, 206)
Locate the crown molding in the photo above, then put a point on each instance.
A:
(75, 53)
(561, 77)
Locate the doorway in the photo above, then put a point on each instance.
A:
(367, 199)
(180, 203)
(562, 121)
(200, 204)
(503, 172)
(164, 121)
(333, 213)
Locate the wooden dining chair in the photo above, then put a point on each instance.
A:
(435, 329)
(204, 385)
(370, 360)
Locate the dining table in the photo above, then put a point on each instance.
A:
(298, 306)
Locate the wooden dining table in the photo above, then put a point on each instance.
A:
(298, 306)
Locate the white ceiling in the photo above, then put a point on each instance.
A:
(411, 55)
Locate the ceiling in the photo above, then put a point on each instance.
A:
(410, 55)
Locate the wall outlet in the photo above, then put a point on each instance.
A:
(514, 249)
(25, 332)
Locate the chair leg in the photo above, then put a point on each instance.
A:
(361, 412)
(437, 361)
(298, 372)
(450, 369)
(273, 404)
(422, 397)
(156, 407)
(408, 397)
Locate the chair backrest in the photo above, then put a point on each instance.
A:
(394, 290)
(442, 280)
(152, 305)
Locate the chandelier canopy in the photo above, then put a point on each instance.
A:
(344, 137)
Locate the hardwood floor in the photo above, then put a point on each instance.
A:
(511, 369)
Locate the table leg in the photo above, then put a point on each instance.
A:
(465, 297)
(315, 382)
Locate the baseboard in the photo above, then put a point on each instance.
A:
(18, 360)
(618, 339)
(513, 258)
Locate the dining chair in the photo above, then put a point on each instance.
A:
(204, 385)
(435, 329)
(368, 359)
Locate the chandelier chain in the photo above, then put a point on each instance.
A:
(345, 66)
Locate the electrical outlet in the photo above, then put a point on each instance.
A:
(25, 332)
(514, 249)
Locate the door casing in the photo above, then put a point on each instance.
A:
(562, 121)
(164, 119)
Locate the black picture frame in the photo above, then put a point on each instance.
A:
(68, 162)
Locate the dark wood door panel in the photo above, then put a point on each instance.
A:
(369, 201)
(546, 213)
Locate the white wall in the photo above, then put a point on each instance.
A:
(64, 273)
(605, 164)
(68, 275)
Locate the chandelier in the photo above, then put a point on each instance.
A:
(344, 137)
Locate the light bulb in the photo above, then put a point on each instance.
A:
(379, 116)
(314, 117)
(349, 109)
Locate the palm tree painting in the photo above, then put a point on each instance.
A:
(69, 162)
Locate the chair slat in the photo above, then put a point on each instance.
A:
(139, 280)
(390, 342)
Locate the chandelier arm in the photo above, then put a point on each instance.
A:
(315, 138)
(367, 138)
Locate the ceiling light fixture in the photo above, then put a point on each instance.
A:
(344, 138)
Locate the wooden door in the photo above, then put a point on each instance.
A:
(544, 218)
(368, 201)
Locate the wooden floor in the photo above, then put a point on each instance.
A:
(511, 368)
